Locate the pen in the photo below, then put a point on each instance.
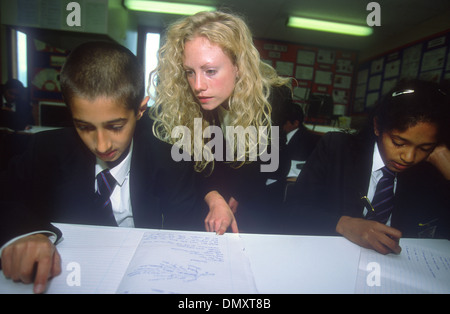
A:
(368, 204)
(428, 223)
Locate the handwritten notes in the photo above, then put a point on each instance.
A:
(188, 262)
(423, 266)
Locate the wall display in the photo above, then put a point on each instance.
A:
(427, 59)
(44, 67)
(284, 68)
(323, 72)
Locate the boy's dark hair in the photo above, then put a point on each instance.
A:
(13, 84)
(96, 69)
(295, 113)
(411, 102)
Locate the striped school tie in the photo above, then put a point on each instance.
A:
(383, 199)
(105, 184)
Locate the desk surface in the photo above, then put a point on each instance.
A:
(281, 264)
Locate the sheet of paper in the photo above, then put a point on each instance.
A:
(93, 260)
(188, 262)
(284, 264)
(423, 266)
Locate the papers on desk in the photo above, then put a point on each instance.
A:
(423, 266)
(128, 260)
(185, 262)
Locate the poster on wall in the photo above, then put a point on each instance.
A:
(47, 63)
(285, 68)
(305, 73)
(411, 61)
(306, 57)
(433, 59)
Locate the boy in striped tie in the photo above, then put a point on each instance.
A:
(388, 181)
(108, 169)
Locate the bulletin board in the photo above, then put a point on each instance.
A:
(427, 59)
(316, 70)
(45, 67)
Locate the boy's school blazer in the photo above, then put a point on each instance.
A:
(337, 175)
(53, 181)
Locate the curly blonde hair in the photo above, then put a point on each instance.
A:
(176, 104)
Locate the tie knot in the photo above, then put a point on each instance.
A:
(106, 183)
(387, 173)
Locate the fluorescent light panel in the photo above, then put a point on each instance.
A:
(325, 26)
(166, 7)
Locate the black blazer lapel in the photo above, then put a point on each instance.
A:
(146, 205)
(357, 177)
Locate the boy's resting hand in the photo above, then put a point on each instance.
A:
(31, 259)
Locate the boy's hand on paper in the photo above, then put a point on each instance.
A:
(31, 259)
(370, 234)
(220, 216)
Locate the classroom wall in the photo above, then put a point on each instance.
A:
(50, 38)
(318, 70)
(355, 80)
(426, 58)
(431, 27)
(341, 74)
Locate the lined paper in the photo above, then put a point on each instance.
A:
(188, 262)
(423, 266)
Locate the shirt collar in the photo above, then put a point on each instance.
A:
(119, 172)
(4, 104)
(377, 160)
(290, 135)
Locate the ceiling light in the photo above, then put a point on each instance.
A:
(166, 7)
(325, 26)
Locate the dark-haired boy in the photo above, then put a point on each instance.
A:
(390, 180)
(55, 180)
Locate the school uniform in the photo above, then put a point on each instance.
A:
(54, 181)
(247, 183)
(298, 148)
(338, 174)
(300, 143)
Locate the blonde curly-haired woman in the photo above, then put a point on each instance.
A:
(210, 75)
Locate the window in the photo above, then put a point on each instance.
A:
(18, 53)
(22, 64)
(152, 41)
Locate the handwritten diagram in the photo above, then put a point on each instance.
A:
(188, 262)
(168, 271)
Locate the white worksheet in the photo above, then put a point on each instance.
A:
(188, 262)
(423, 266)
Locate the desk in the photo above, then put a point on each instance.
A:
(281, 264)
(14, 143)
(36, 129)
